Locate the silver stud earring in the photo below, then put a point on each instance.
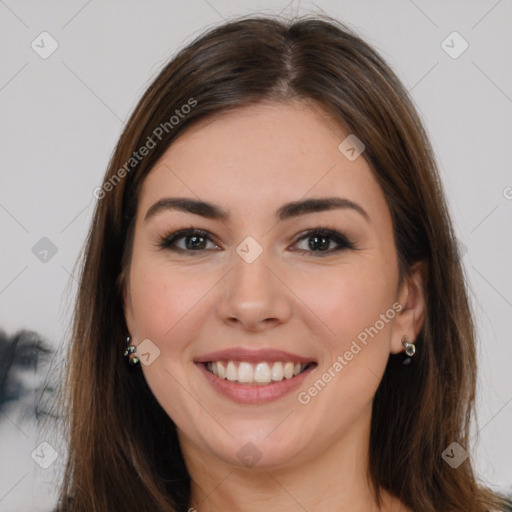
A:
(130, 353)
(410, 349)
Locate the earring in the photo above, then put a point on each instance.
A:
(410, 349)
(129, 352)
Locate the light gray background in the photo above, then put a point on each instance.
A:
(61, 117)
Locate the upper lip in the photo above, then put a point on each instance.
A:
(260, 355)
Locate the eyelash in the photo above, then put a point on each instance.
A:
(343, 242)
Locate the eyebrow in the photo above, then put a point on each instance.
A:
(285, 212)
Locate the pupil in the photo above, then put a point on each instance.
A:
(315, 244)
(195, 242)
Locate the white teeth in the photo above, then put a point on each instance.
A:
(277, 371)
(288, 370)
(261, 373)
(245, 372)
(231, 371)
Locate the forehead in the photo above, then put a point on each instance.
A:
(262, 156)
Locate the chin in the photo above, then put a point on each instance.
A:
(261, 449)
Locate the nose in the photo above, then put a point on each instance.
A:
(255, 296)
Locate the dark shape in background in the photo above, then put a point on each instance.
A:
(21, 384)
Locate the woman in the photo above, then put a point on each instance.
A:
(272, 254)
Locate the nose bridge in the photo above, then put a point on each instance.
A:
(251, 278)
(250, 273)
(252, 295)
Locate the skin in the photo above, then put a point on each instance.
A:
(251, 161)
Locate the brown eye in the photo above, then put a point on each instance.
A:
(321, 240)
(188, 240)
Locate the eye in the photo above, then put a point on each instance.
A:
(319, 241)
(194, 240)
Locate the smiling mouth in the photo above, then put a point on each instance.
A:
(256, 374)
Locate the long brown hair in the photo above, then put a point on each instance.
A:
(124, 453)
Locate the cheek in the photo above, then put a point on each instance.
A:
(161, 298)
(171, 306)
(348, 299)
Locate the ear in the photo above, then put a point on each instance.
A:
(411, 296)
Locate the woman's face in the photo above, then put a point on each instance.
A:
(229, 315)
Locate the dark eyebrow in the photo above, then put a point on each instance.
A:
(319, 204)
(285, 212)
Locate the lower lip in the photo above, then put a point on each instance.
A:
(247, 394)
